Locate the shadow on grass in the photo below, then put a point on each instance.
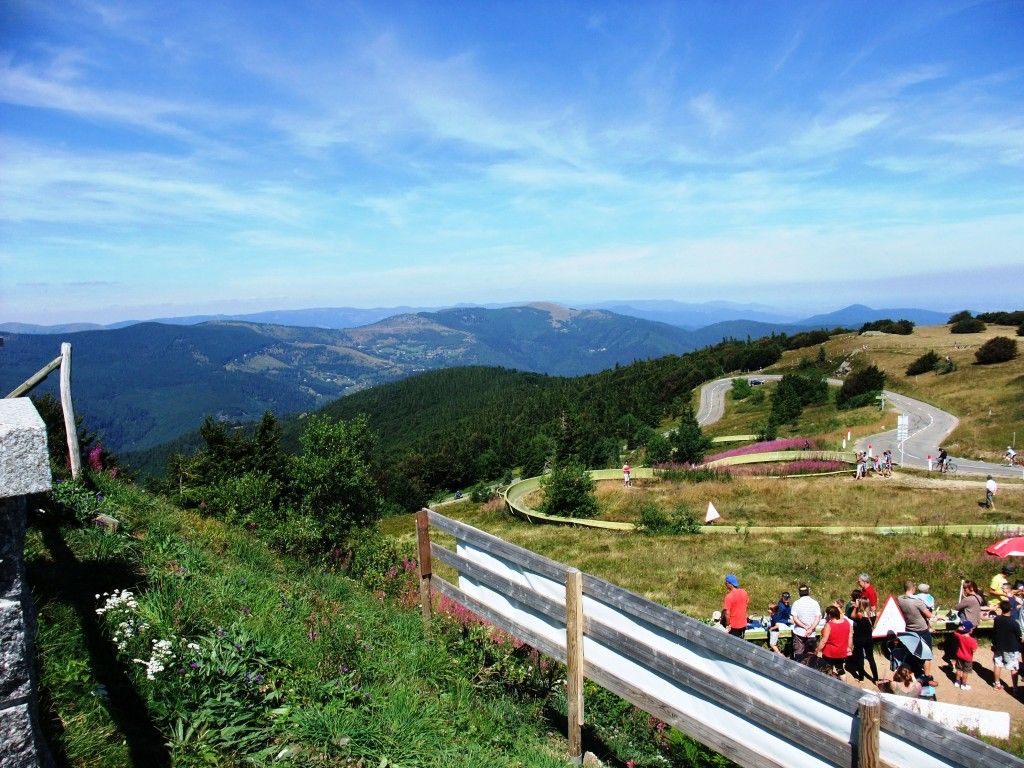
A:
(66, 579)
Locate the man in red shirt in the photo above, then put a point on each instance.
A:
(868, 592)
(734, 607)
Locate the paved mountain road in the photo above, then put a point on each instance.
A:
(929, 426)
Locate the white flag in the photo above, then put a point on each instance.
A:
(712, 514)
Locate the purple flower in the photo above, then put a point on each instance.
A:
(194, 664)
(219, 632)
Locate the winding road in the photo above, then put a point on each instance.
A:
(929, 426)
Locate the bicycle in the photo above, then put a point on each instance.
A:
(951, 468)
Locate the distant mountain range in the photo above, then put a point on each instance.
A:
(144, 384)
(690, 316)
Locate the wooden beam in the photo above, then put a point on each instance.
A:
(500, 548)
(69, 410)
(426, 568)
(803, 733)
(869, 721)
(29, 384)
(574, 661)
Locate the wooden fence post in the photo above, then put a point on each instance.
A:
(574, 661)
(69, 410)
(869, 716)
(423, 540)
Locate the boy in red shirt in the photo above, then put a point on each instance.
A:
(966, 645)
(734, 607)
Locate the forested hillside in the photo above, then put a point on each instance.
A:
(448, 429)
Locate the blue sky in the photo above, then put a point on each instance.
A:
(173, 158)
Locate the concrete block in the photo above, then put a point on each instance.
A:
(15, 665)
(18, 745)
(12, 547)
(24, 461)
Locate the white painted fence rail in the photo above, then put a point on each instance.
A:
(756, 707)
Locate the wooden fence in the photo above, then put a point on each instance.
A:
(62, 361)
(755, 707)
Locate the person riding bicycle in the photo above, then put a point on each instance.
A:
(943, 459)
(1010, 455)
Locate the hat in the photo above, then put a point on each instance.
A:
(732, 580)
(785, 595)
(922, 587)
(965, 626)
(804, 590)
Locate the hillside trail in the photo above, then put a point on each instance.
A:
(928, 428)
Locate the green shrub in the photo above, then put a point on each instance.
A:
(568, 492)
(1020, 329)
(741, 389)
(901, 327)
(481, 492)
(996, 350)
(653, 521)
(689, 443)
(923, 364)
(76, 501)
(860, 388)
(968, 325)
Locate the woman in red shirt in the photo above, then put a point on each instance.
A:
(836, 644)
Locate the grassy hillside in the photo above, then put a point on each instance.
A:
(291, 665)
(988, 399)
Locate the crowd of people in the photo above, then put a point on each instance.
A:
(840, 639)
(866, 460)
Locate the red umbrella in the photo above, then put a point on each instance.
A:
(1011, 547)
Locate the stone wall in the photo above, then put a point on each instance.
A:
(24, 470)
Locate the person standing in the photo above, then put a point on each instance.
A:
(868, 593)
(917, 616)
(966, 645)
(999, 587)
(805, 616)
(969, 607)
(1006, 638)
(836, 644)
(943, 458)
(626, 474)
(734, 606)
(863, 642)
(990, 492)
(780, 618)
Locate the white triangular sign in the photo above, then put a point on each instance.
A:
(891, 618)
(712, 514)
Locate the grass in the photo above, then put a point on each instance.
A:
(988, 399)
(686, 572)
(409, 704)
(813, 501)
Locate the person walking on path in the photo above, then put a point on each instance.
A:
(917, 616)
(734, 606)
(1006, 638)
(966, 645)
(806, 614)
(990, 492)
(626, 470)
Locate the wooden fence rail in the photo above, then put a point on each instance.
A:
(64, 363)
(756, 707)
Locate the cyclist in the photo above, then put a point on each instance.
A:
(1010, 456)
(943, 459)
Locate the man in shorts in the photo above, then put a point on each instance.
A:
(1006, 637)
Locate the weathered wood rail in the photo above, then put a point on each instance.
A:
(756, 707)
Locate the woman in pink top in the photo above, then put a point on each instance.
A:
(836, 644)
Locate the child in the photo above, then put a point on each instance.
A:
(966, 645)
(928, 688)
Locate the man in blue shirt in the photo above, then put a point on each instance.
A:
(780, 617)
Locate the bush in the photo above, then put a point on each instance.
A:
(688, 441)
(963, 314)
(860, 388)
(923, 364)
(997, 350)
(653, 521)
(481, 493)
(901, 327)
(741, 389)
(1020, 329)
(968, 325)
(568, 492)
